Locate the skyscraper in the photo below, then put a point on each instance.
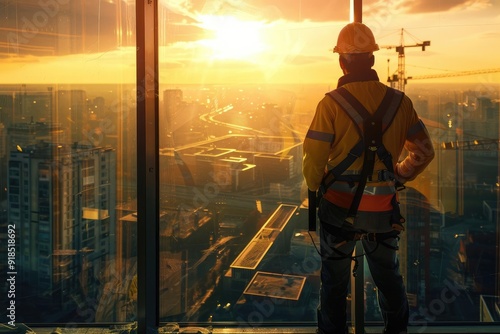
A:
(62, 201)
(72, 113)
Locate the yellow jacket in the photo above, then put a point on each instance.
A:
(332, 134)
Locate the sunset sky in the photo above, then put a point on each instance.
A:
(280, 41)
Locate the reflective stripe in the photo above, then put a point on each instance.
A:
(415, 129)
(379, 175)
(356, 114)
(357, 171)
(369, 190)
(356, 117)
(321, 136)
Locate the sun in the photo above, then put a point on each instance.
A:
(233, 38)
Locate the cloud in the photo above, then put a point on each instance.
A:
(301, 10)
(289, 10)
(494, 35)
(425, 6)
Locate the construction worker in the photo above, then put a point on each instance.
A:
(332, 166)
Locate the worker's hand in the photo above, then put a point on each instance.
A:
(398, 227)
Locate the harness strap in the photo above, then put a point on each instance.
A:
(371, 129)
(357, 112)
(368, 163)
(397, 220)
(335, 173)
(311, 196)
(350, 235)
(347, 235)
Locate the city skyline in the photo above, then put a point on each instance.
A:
(240, 148)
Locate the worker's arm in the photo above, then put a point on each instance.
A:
(421, 152)
(317, 144)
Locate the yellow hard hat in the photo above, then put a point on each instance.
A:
(355, 38)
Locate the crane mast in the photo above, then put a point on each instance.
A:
(399, 80)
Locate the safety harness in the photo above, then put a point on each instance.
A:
(371, 128)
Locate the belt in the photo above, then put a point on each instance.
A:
(369, 190)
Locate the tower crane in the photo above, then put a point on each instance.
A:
(455, 74)
(400, 77)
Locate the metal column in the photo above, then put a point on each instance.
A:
(357, 282)
(357, 10)
(147, 167)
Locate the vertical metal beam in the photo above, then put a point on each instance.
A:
(357, 283)
(357, 10)
(147, 167)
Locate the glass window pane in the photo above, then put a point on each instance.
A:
(67, 161)
(239, 84)
(233, 113)
(448, 254)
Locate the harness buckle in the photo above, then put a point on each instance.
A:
(385, 175)
(400, 186)
(350, 220)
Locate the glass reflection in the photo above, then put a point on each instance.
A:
(67, 166)
(238, 90)
(239, 84)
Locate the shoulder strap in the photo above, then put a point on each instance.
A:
(358, 113)
(371, 129)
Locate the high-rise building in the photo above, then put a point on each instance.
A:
(3, 159)
(6, 107)
(62, 201)
(4, 241)
(21, 135)
(72, 113)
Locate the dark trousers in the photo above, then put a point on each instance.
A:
(336, 270)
